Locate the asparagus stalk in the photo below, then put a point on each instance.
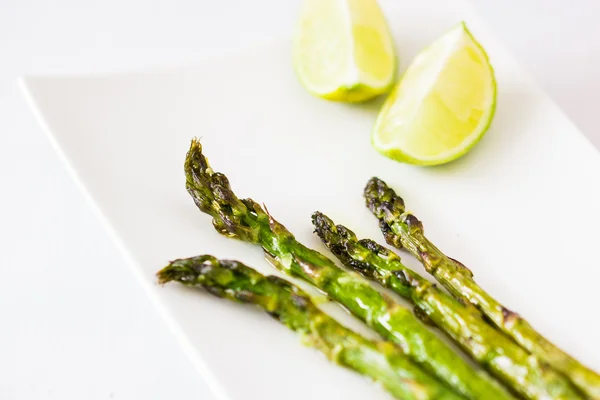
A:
(504, 358)
(248, 221)
(403, 230)
(381, 361)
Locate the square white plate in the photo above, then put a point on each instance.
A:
(521, 210)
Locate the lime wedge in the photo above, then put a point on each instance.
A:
(443, 104)
(343, 50)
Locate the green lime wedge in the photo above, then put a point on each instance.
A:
(343, 50)
(443, 104)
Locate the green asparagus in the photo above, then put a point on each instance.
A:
(403, 230)
(248, 221)
(381, 361)
(504, 358)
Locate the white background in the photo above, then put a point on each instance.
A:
(73, 322)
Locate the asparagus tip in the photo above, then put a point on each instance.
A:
(321, 222)
(380, 198)
(169, 273)
(184, 269)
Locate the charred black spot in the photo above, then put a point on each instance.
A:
(362, 267)
(402, 277)
(399, 202)
(380, 186)
(544, 366)
(320, 220)
(337, 249)
(253, 207)
(422, 315)
(387, 206)
(413, 223)
(219, 179)
(250, 206)
(282, 283)
(369, 245)
(487, 319)
(373, 246)
(389, 235)
(389, 195)
(508, 315)
(183, 277)
(245, 296)
(215, 291)
(405, 277)
(222, 195)
(385, 228)
(345, 232)
(275, 314)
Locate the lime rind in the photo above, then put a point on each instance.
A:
(355, 94)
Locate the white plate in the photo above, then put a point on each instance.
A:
(521, 210)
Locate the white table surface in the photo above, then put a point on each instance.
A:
(74, 323)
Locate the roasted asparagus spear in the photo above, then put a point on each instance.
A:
(505, 359)
(248, 221)
(403, 230)
(381, 361)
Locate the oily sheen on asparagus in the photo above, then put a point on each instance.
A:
(248, 221)
(505, 359)
(403, 230)
(381, 361)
